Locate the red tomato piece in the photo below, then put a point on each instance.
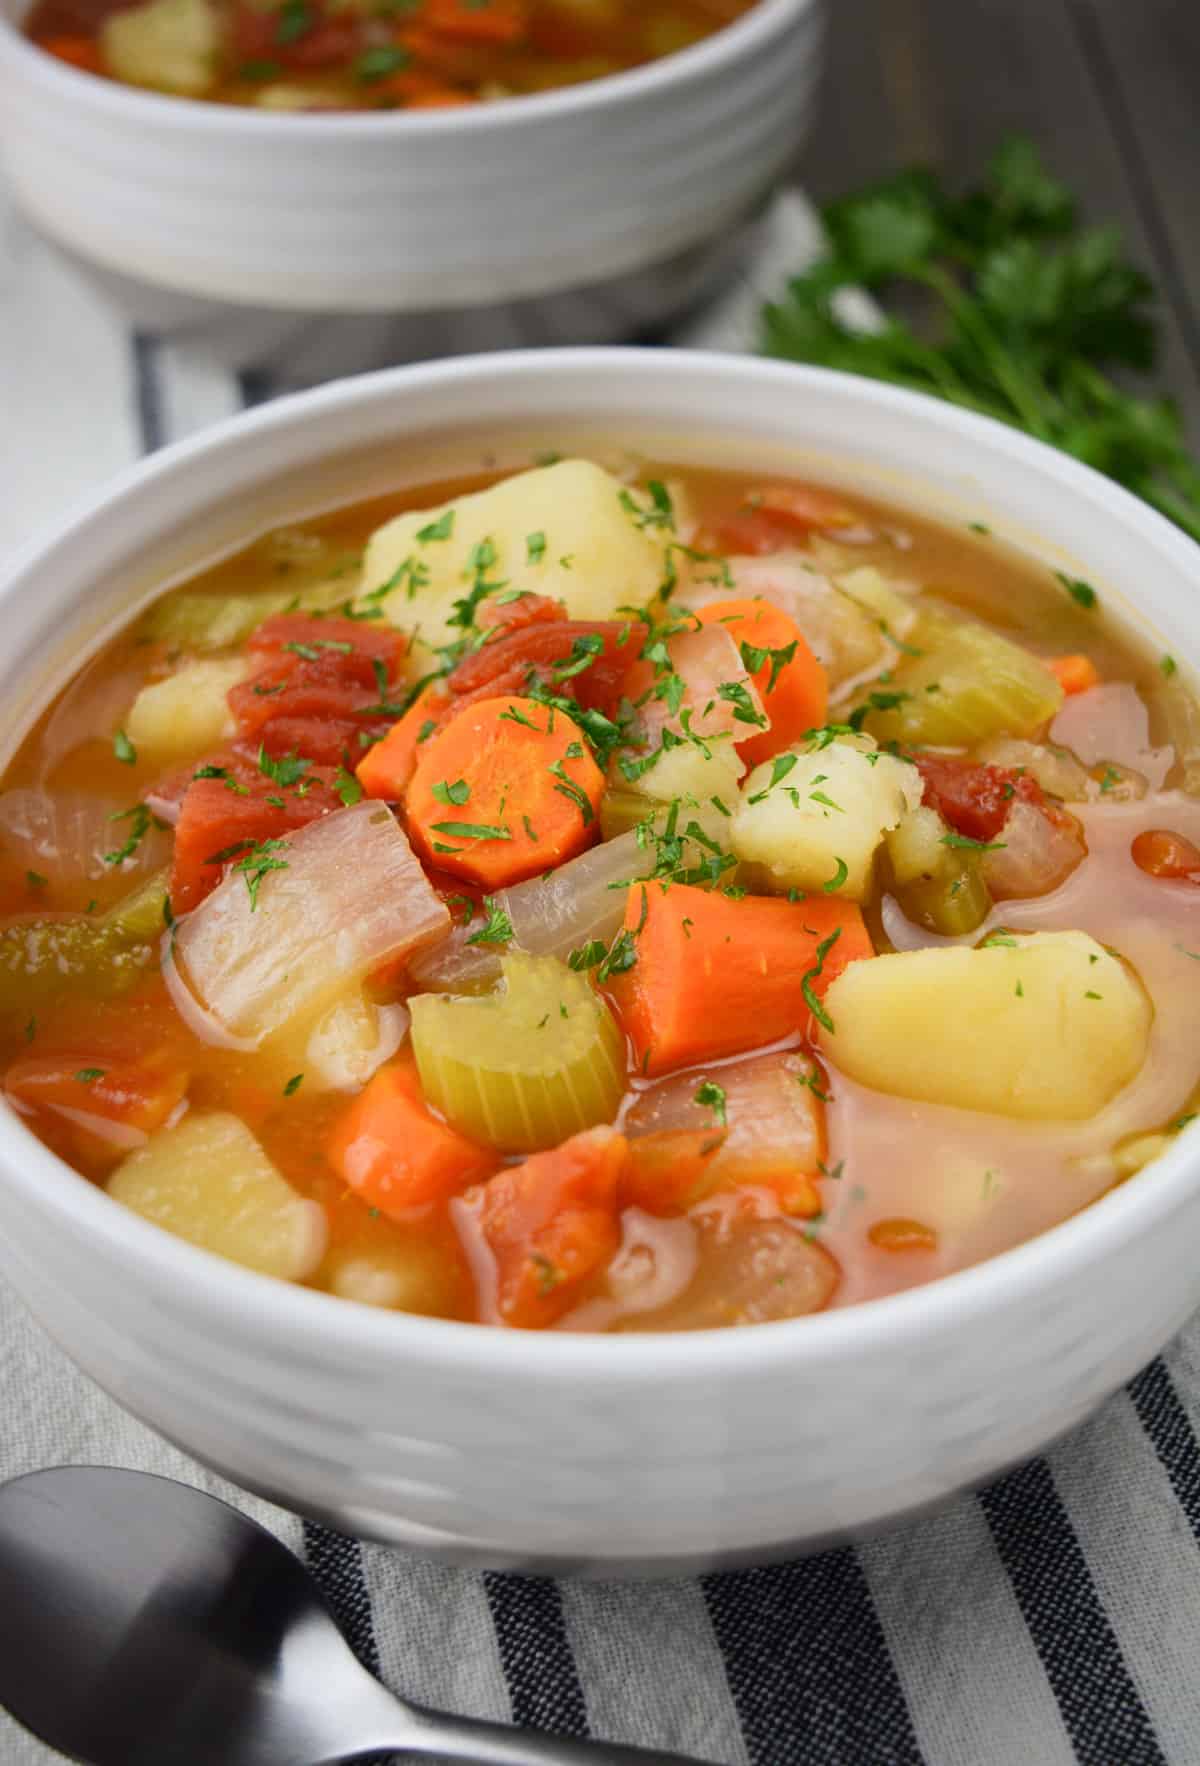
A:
(213, 820)
(544, 651)
(972, 797)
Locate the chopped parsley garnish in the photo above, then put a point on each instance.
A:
(347, 787)
(567, 787)
(835, 882)
(737, 694)
(712, 1097)
(286, 770)
(379, 62)
(473, 830)
(312, 652)
(755, 658)
(141, 820)
(967, 843)
(584, 651)
(535, 547)
(259, 860)
(410, 571)
(35, 879)
(834, 1173)
(441, 529)
(124, 749)
(1168, 665)
(659, 514)
(1109, 780)
(512, 716)
(1082, 593)
(874, 702)
(456, 793)
(293, 1085)
(294, 20)
(826, 802)
(806, 986)
(89, 1075)
(496, 929)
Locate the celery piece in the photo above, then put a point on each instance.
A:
(967, 685)
(40, 959)
(953, 901)
(138, 916)
(525, 1067)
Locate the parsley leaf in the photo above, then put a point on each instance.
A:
(712, 1096)
(496, 929)
(124, 749)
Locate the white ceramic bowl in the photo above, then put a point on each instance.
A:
(392, 212)
(570, 1452)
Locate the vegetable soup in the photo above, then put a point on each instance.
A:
(608, 899)
(314, 55)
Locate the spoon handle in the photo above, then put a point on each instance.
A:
(498, 1744)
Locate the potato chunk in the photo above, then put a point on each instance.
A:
(170, 45)
(821, 820)
(208, 1181)
(1045, 1026)
(187, 712)
(564, 530)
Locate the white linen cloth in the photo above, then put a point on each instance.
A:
(1055, 1617)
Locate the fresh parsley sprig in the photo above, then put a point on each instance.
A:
(1009, 307)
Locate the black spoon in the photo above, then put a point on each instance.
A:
(143, 1623)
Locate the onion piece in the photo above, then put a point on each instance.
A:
(349, 897)
(774, 1121)
(1038, 853)
(65, 837)
(93, 707)
(705, 660)
(551, 916)
(845, 640)
(1112, 723)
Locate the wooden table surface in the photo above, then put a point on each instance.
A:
(1109, 90)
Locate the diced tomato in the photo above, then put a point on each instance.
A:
(550, 1224)
(543, 651)
(301, 38)
(512, 616)
(99, 1105)
(322, 685)
(975, 798)
(77, 51)
(774, 517)
(213, 820)
(1161, 853)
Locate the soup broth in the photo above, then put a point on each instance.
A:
(315, 55)
(611, 902)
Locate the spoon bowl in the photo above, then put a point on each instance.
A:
(145, 1623)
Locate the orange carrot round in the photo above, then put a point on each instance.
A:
(386, 768)
(790, 681)
(505, 790)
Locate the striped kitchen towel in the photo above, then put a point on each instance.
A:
(1055, 1617)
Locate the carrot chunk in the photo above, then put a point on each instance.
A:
(791, 683)
(1074, 674)
(506, 789)
(385, 769)
(1161, 853)
(550, 1223)
(395, 1154)
(902, 1235)
(478, 21)
(711, 976)
(81, 52)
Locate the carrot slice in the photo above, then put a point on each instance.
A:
(550, 1223)
(385, 769)
(804, 507)
(1074, 674)
(395, 1154)
(503, 791)
(794, 688)
(478, 21)
(81, 52)
(712, 976)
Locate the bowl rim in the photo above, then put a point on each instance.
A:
(332, 1325)
(746, 35)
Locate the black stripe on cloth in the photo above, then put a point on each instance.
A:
(337, 1565)
(536, 1654)
(1171, 1435)
(1100, 1705)
(809, 1667)
(147, 398)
